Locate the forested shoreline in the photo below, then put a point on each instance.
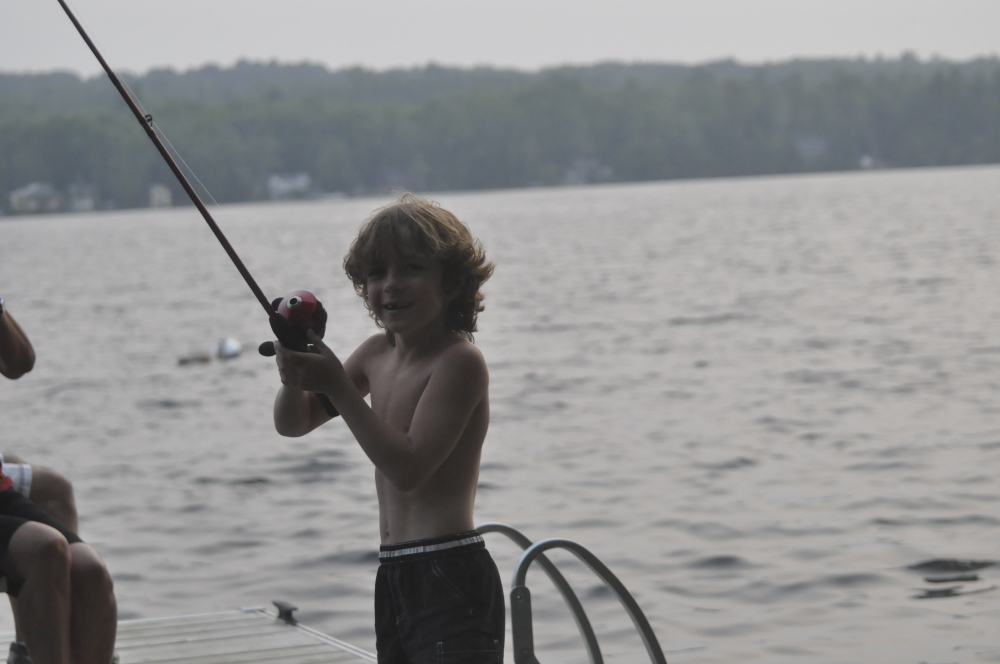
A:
(356, 131)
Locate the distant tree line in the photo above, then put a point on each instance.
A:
(434, 128)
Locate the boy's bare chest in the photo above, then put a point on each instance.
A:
(396, 390)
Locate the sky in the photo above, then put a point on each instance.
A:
(139, 35)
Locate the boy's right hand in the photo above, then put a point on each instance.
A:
(314, 370)
(295, 326)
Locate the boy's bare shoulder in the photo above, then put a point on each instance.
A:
(373, 346)
(465, 359)
(376, 342)
(462, 349)
(370, 350)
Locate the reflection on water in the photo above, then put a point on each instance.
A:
(770, 405)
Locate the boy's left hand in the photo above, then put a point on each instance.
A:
(314, 371)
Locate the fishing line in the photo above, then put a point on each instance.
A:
(174, 151)
(146, 120)
(177, 154)
(170, 146)
(191, 173)
(297, 312)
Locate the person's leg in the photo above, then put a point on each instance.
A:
(50, 490)
(94, 617)
(38, 558)
(93, 609)
(53, 492)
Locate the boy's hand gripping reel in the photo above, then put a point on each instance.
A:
(294, 315)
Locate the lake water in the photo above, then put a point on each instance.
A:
(762, 402)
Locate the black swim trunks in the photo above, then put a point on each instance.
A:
(438, 601)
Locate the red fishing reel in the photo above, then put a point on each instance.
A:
(295, 314)
(304, 312)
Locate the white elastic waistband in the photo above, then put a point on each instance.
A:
(429, 548)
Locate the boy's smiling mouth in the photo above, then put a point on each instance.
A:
(395, 306)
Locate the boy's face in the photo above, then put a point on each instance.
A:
(406, 292)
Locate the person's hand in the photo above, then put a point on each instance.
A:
(267, 348)
(313, 371)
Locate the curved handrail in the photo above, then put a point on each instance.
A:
(582, 622)
(520, 607)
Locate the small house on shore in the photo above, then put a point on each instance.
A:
(35, 197)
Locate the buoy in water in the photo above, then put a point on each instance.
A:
(227, 349)
(224, 349)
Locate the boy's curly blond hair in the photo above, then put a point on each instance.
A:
(414, 225)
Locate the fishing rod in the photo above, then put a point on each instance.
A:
(147, 124)
(289, 317)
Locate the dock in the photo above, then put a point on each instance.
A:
(258, 635)
(243, 636)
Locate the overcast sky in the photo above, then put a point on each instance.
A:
(138, 35)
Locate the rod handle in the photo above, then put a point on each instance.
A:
(293, 338)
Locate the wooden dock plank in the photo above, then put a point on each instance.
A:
(248, 636)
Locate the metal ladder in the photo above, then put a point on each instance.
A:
(520, 596)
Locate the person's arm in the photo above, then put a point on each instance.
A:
(298, 411)
(407, 458)
(17, 357)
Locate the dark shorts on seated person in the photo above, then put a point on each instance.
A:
(15, 511)
(439, 600)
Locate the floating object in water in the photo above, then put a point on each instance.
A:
(196, 358)
(227, 349)
(224, 349)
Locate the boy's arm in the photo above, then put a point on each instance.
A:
(17, 357)
(296, 411)
(408, 458)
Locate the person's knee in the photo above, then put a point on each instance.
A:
(53, 492)
(39, 549)
(88, 572)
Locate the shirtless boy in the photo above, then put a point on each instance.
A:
(438, 596)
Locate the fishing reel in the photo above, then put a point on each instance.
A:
(296, 313)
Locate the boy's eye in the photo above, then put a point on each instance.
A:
(375, 272)
(415, 267)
